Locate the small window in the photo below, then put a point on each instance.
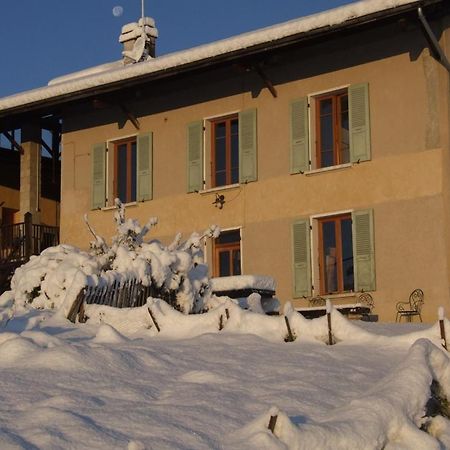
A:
(125, 173)
(332, 129)
(336, 254)
(227, 254)
(225, 151)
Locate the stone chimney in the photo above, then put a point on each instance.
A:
(138, 40)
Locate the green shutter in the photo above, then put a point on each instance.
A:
(247, 146)
(363, 250)
(144, 167)
(301, 258)
(358, 101)
(299, 135)
(195, 156)
(98, 180)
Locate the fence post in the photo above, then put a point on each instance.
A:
(272, 423)
(442, 327)
(290, 336)
(28, 219)
(330, 332)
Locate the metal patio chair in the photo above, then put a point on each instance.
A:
(412, 307)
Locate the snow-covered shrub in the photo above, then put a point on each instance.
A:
(176, 272)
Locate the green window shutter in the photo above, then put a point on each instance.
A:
(144, 167)
(195, 156)
(248, 170)
(302, 258)
(358, 101)
(98, 180)
(363, 250)
(299, 135)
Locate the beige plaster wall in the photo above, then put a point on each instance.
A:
(404, 182)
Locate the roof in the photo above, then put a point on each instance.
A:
(112, 75)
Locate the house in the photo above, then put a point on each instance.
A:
(320, 146)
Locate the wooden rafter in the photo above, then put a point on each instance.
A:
(13, 142)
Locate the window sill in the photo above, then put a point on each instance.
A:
(219, 188)
(109, 208)
(328, 169)
(340, 295)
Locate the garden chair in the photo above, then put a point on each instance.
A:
(412, 307)
(366, 299)
(317, 301)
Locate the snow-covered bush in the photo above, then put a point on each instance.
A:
(176, 272)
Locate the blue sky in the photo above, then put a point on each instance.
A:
(42, 39)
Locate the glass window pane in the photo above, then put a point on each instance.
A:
(326, 141)
(234, 127)
(122, 172)
(326, 106)
(220, 152)
(224, 263)
(132, 197)
(220, 129)
(344, 131)
(329, 256)
(236, 262)
(234, 175)
(347, 254)
(220, 179)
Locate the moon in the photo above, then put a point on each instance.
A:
(117, 11)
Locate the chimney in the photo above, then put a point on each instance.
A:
(138, 40)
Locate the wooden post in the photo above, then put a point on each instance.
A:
(154, 320)
(330, 333)
(76, 305)
(290, 337)
(272, 423)
(221, 322)
(442, 327)
(227, 313)
(28, 218)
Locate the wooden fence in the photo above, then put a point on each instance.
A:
(118, 294)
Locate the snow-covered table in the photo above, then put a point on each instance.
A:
(357, 310)
(241, 286)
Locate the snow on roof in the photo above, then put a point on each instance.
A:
(111, 73)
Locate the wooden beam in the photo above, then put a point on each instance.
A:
(13, 142)
(266, 81)
(47, 147)
(132, 117)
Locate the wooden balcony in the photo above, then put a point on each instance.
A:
(18, 242)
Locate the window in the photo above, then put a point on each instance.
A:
(222, 151)
(332, 129)
(227, 254)
(225, 151)
(125, 173)
(336, 254)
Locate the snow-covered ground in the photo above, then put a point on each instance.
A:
(89, 386)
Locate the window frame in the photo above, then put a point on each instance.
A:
(229, 246)
(129, 140)
(337, 219)
(336, 114)
(228, 151)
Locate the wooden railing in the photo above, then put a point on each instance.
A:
(21, 240)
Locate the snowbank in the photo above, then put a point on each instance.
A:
(389, 415)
